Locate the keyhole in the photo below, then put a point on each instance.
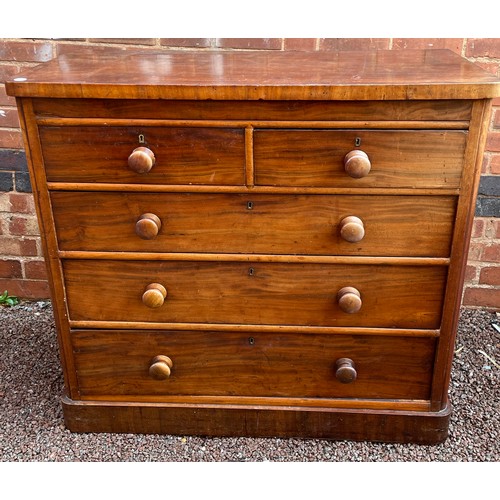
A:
(142, 139)
(251, 271)
(249, 205)
(251, 340)
(357, 141)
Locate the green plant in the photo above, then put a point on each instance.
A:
(8, 300)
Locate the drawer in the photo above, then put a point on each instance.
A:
(214, 156)
(254, 293)
(117, 363)
(398, 158)
(268, 224)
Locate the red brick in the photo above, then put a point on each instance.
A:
(475, 251)
(18, 246)
(11, 139)
(490, 276)
(10, 269)
(25, 51)
(6, 100)
(26, 289)
(470, 273)
(300, 43)
(454, 44)
(23, 226)
(9, 117)
(29, 247)
(484, 165)
(495, 226)
(491, 228)
(495, 164)
(339, 44)
(491, 253)
(75, 50)
(249, 43)
(17, 226)
(7, 71)
(35, 270)
(482, 297)
(478, 228)
(496, 118)
(483, 47)
(493, 142)
(22, 203)
(187, 42)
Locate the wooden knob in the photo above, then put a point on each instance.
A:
(160, 367)
(349, 300)
(357, 164)
(345, 370)
(148, 226)
(352, 229)
(154, 296)
(141, 160)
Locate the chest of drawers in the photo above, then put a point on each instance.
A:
(256, 244)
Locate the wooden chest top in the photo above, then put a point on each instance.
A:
(360, 75)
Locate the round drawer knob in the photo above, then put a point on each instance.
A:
(160, 367)
(141, 160)
(148, 226)
(349, 300)
(357, 164)
(345, 370)
(154, 296)
(352, 229)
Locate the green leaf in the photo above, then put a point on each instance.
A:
(7, 300)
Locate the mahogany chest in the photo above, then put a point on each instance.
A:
(256, 243)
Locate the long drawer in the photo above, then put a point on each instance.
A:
(255, 293)
(182, 155)
(398, 158)
(116, 363)
(268, 224)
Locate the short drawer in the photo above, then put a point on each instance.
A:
(117, 363)
(182, 155)
(267, 224)
(254, 293)
(397, 158)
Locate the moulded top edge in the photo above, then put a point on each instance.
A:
(360, 75)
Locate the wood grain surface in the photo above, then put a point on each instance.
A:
(183, 155)
(275, 224)
(137, 109)
(116, 363)
(255, 293)
(252, 75)
(416, 159)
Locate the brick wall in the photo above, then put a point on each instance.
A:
(21, 262)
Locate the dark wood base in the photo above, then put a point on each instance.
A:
(257, 421)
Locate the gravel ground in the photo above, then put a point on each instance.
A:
(32, 427)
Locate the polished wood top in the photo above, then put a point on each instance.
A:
(360, 75)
